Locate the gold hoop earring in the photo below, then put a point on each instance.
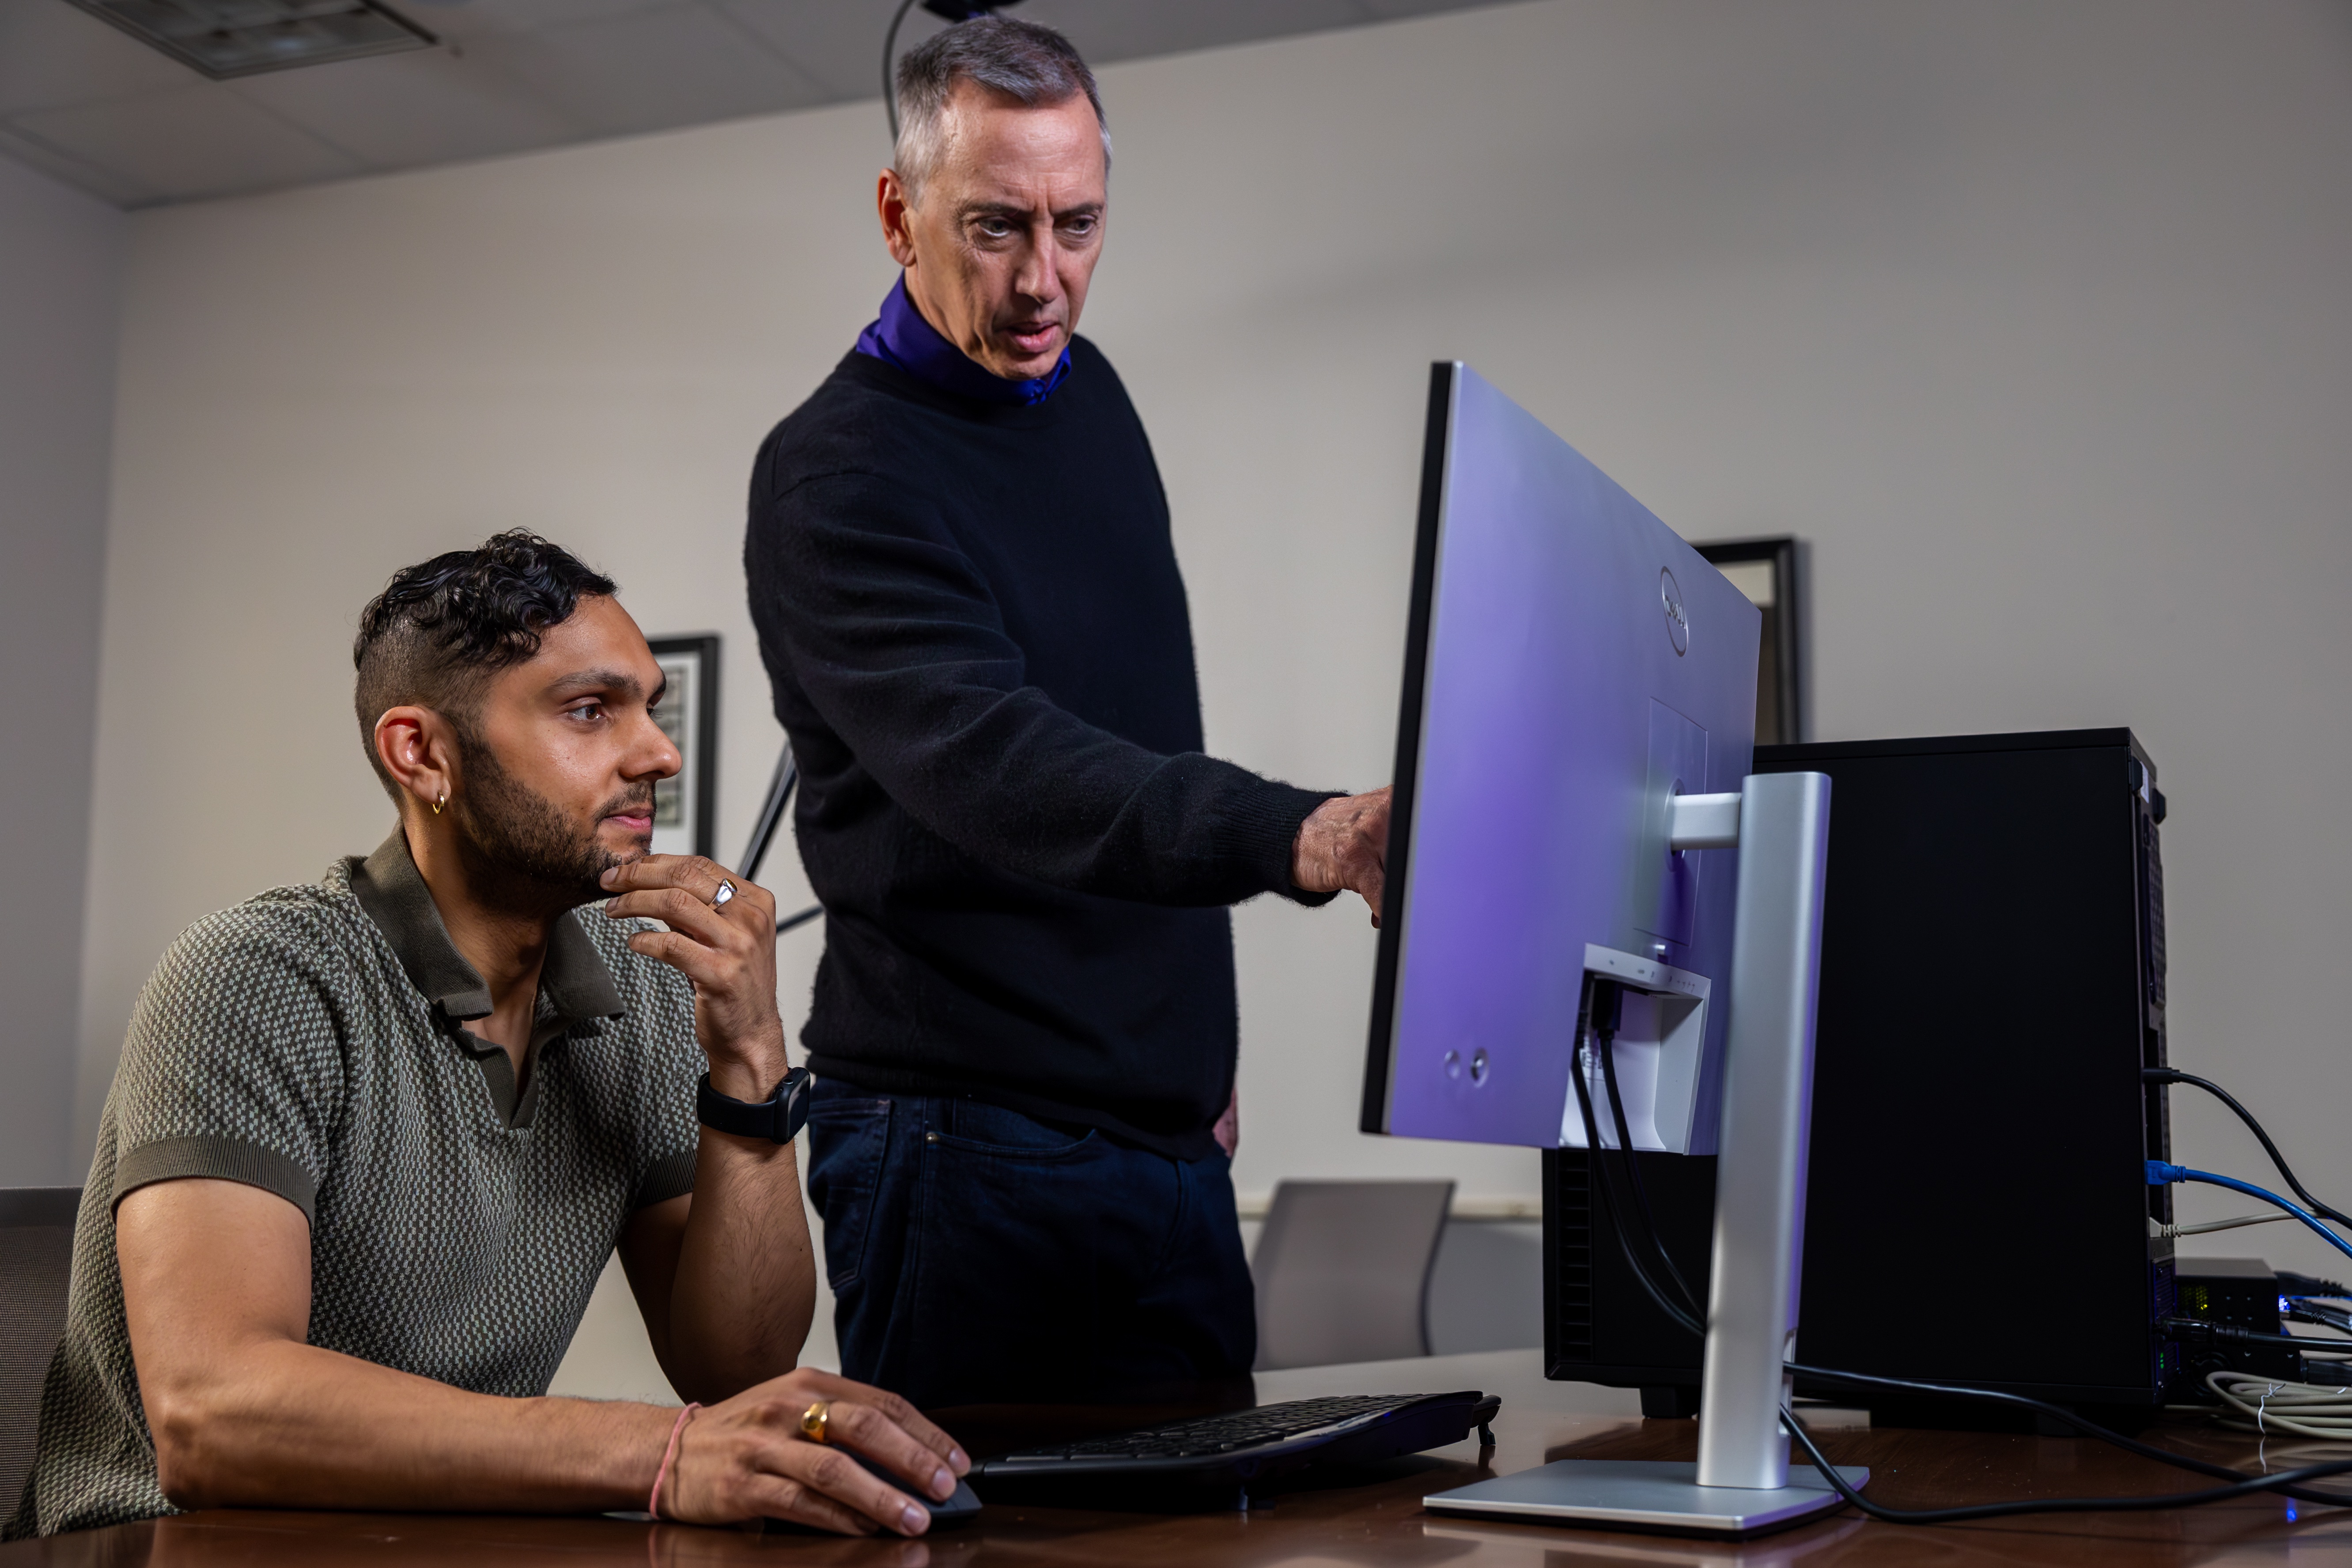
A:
(442, 802)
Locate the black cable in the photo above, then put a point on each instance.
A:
(2319, 1317)
(1862, 1380)
(2059, 1413)
(2167, 1074)
(1600, 1187)
(1603, 1010)
(2293, 1284)
(889, 67)
(801, 919)
(1608, 1037)
(2287, 1481)
(2200, 1333)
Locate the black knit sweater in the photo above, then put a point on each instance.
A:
(978, 641)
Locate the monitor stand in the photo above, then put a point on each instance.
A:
(1655, 1495)
(1742, 1483)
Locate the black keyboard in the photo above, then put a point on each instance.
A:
(1248, 1446)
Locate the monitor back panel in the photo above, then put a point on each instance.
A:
(1570, 663)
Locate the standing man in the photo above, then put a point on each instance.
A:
(1025, 1024)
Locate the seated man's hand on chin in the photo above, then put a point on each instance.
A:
(726, 949)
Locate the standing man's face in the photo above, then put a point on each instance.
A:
(1004, 237)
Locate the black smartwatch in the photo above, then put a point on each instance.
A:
(778, 1118)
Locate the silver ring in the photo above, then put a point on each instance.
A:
(725, 895)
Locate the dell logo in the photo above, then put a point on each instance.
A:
(1677, 627)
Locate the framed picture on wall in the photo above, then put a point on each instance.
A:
(686, 808)
(1768, 572)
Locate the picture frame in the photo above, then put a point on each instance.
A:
(685, 807)
(1770, 571)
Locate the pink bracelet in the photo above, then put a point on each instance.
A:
(677, 1430)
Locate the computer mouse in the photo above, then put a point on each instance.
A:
(964, 1505)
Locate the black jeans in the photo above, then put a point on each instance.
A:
(980, 1257)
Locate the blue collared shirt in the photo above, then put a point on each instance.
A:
(899, 336)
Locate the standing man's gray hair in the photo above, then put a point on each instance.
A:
(1026, 62)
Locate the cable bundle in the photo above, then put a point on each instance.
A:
(1596, 1037)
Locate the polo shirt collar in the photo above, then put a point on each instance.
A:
(574, 986)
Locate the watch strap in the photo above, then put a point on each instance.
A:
(778, 1118)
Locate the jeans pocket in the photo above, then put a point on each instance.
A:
(972, 1127)
(849, 1141)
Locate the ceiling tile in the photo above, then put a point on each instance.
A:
(479, 18)
(51, 54)
(197, 140)
(1399, 8)
(90, 105)
(104, 184)
(650, 70)
(1105, 30)
(406, 110)
(834, 43)
(839, 42)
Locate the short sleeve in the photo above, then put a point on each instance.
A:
(233, 1065)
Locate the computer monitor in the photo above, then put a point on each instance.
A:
(1570, 670)
(1570, 666)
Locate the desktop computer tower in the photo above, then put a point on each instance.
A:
(1991, 985)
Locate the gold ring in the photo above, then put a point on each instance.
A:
(813, 1420)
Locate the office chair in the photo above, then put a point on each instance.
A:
(37, 1230)
(1343, 1269)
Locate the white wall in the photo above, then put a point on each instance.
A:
(61, 279)
(2033, 318)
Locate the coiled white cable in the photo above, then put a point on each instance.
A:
(2267, 1404)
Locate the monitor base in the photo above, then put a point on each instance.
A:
(1660, 1496)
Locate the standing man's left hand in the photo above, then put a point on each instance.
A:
(1345, 844)
(728, 950)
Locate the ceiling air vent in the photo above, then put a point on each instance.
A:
(225, 38)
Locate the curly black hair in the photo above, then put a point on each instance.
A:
(440, 629)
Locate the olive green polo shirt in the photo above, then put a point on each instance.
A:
(312, 1042)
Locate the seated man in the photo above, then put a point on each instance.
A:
(371, 1141)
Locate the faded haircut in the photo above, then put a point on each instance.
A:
(442, 628)
(1033, 65)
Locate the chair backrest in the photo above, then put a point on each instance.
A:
(37, 1230)
(1342, 1272)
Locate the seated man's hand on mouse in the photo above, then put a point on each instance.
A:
(748, 1458)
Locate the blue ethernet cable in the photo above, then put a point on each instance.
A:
(2161, 1173)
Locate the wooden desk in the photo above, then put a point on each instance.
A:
(1377, 1519)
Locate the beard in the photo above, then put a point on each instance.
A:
(524, 854)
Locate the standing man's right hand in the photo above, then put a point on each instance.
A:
(1345, 844)
(745, 1458)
